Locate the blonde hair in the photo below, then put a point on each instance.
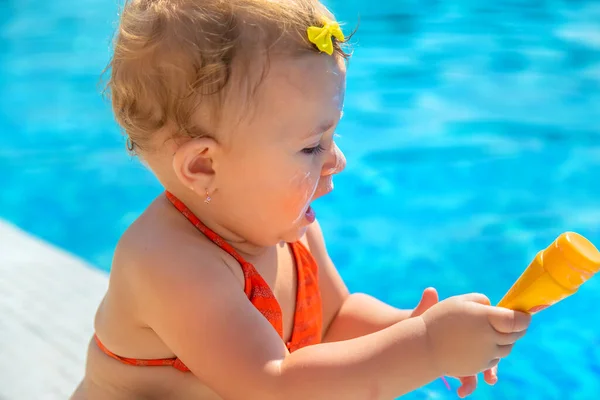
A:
(170, 55)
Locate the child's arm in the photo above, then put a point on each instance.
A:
(196, 305)
(346, 315)
(189, 295)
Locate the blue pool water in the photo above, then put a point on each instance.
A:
(472, 139)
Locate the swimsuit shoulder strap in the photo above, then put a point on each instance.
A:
(209, 233)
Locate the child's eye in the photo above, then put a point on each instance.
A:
(313, 150)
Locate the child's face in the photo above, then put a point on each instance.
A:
(283, 154)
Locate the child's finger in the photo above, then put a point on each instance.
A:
(508, 321)
(490, 376)
(509, 338)
(468, 386)
(428, 299)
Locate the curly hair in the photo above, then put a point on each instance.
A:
(171, 55)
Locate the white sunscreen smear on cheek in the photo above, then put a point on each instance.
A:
(303, 181)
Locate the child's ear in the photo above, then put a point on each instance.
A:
(193, 163)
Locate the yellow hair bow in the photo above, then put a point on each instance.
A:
(321, 36)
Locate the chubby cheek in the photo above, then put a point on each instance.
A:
(299, 193)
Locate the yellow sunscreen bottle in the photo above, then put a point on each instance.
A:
(554, 274)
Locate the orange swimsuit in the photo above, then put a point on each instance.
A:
(308, 314)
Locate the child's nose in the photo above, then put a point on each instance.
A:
(335, 163)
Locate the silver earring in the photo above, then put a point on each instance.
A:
(208, 198)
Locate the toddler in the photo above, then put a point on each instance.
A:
(223, 288)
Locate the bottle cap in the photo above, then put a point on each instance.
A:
(571, 259)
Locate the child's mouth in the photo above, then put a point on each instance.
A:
(310, 214)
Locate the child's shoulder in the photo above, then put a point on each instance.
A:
(161, 247)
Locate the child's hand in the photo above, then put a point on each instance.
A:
(468, 384)
(468, 336)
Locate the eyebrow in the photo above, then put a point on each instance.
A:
(321, 128)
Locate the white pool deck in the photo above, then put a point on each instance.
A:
(47, 303)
